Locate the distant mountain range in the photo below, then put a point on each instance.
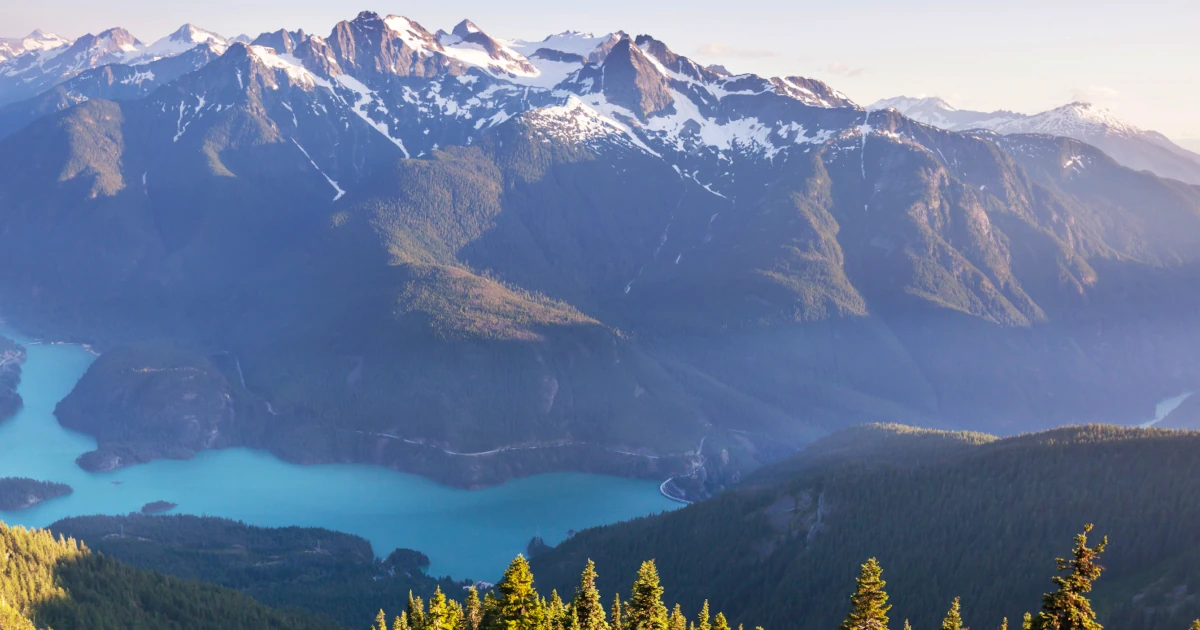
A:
(1136, 148)
(476, 258)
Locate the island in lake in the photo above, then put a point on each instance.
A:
(11, 358)
(18, 493)
(158, 507)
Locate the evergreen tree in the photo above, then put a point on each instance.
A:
(556, 612)
(401, 622)
(704, 621)
(645, 610)
(416, 612)
(1004, 624)
(380, 621)
(678, 621)
(1068, 608)
(617, 622)
(720, 623)
(953, 620)
(443, 614)
(1027, 622)
(518, 606)
(589, 610)
(868, 605)
(472, 611)
(906, 625)
(1195, 625)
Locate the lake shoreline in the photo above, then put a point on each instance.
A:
(465, 533)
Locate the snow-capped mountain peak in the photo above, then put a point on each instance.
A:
(1125, 142)
(182, 40)
(469, 44)
(38, 40)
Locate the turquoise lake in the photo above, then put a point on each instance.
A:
(466, 533)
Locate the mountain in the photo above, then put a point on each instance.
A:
(57, 582)
(473, 259)
(1135, 148)
(35, 41)
(27, 75)
(781, 546)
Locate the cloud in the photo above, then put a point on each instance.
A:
(721, 49)
(842, 69)
(1094, 94)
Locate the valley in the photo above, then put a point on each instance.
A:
(465, 533)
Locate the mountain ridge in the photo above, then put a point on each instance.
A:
(1133, 147)
(595, 275)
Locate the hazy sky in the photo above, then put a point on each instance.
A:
(1140, 58)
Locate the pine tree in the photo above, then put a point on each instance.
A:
(704, 619)
(1027, 622)
(556, 612)
(380, 621)
(401, 622)
(720, 623)
(443, 614)
(1004, 624)
(472, 611)
(868, 605)
(416, 612)
(617, 623)
(518, 606)
(953, 620)
(645, 610)
(1068, 608)
(589, 610)
(906, 625)
(678, 621)
(1195, 625)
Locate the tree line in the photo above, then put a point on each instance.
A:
(515, 604)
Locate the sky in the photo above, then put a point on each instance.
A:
(1140, 59)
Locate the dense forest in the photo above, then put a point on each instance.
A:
(48, 582)
(322, 571)
(955, 514)
(18, 493)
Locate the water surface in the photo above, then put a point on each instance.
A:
(465, 533)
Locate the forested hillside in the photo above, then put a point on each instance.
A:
(315, 569)
(947, 515)
(48, 582)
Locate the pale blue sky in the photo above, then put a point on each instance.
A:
(1139, 58)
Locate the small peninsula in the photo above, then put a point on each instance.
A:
(19, 493)
(12, 356)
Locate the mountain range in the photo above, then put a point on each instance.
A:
(1136, 148)
(476, 258)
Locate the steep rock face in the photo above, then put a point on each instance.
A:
(630, 80)
(150, 401)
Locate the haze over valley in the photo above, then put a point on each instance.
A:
(468, 297)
